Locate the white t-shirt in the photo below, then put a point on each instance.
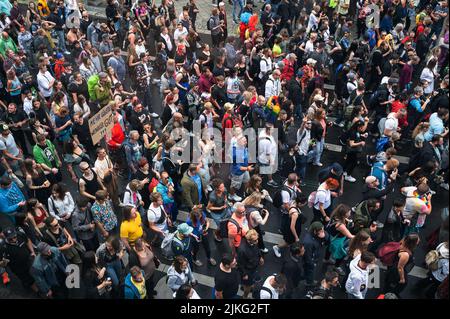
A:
(309, 46)
(265, 294)
(9, 144)
(391, 123)
(154, 214)
(267, 148)
(265, 65)
(177, 33)
(44, 80)
(322, 196)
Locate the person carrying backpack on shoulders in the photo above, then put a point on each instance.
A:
(291, 224)
(397, 274)
(237, 227)
(215, 26)
(182, 244)
(273, 287)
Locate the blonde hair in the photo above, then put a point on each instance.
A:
(254, 199)
(421, 127)
(251, 235)
(134, 185)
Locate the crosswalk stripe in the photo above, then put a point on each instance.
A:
(270, 238)
(204, 280)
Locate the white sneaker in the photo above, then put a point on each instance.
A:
(209, 188)
(154, 115)
(349, 178)
(264, 251)
(444, 186)
(318, 164)
(235, 198)
(276, 251)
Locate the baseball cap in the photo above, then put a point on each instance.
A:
(316, 226)
(10, 233)
(318, 97)
(393, 81)
(184, 229)
(311, 61)
(3, 128)
(43, 248)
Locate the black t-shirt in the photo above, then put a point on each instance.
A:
(227, 283)
(13, 118)
(41, 115)
(82, 89)
(82, 133)
(219, 94)
(56, 19)
(17, 253)
(137, 120)
(2, 167)
(377, 59)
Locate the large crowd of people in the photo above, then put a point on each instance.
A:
(375, 71)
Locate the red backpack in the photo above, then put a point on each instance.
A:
(388, 252)
(151, 187)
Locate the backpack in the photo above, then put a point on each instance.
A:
(223, 227)
(312, 199)
(152, 186)
(255, 69)
(91, 83)
(258, 287)
(208, 23)
(166, 245)
(388, 252)
(236, 121)
(278, 199)
(382, 143)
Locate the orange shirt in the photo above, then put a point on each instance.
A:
(233, 232)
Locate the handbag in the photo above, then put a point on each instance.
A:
(338, 247)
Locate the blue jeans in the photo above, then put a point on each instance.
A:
(298, 111)
(61, 40)
(302, 163)
(237, 3)
(114, 270)
(318, 150)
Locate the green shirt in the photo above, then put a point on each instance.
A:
(46, 155)
(7, 45)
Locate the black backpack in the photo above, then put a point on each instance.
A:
(223, 227)
(208, 23)
(278, 199)
(258, 287)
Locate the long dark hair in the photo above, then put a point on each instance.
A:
(197, 221)
(60, 190)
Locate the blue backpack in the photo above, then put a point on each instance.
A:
(382, 144)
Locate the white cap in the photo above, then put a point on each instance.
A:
(311, 61)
